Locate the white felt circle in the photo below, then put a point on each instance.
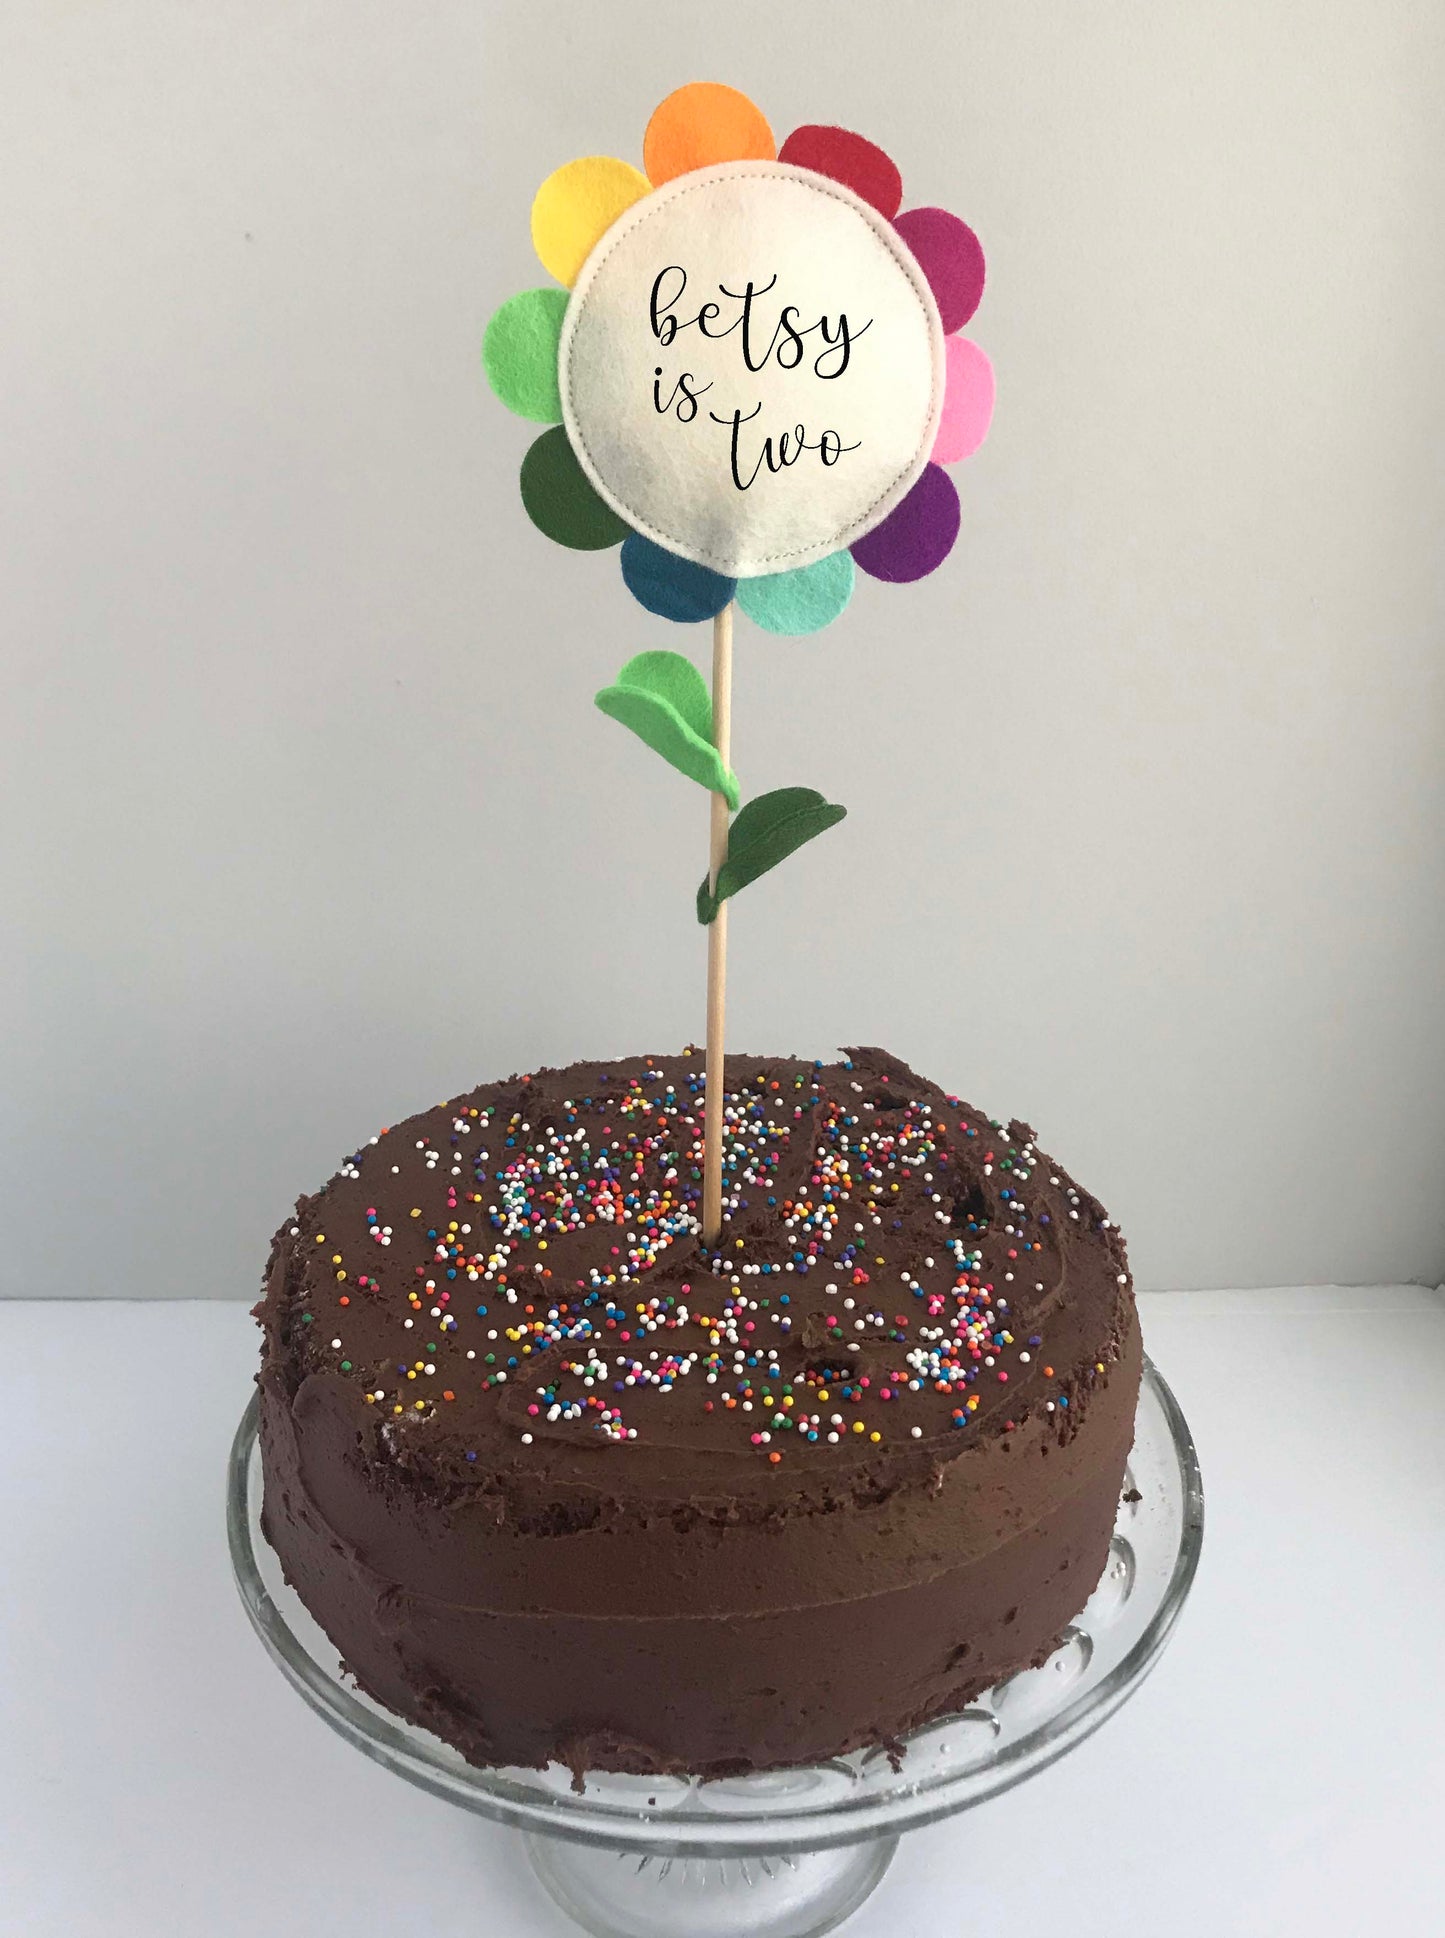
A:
(761, 449)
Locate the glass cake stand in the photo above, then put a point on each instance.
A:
(787, 1853)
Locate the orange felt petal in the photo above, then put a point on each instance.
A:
(702, 124)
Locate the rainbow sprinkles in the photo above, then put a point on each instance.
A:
(568, 1268)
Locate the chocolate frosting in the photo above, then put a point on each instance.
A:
(530, 1445)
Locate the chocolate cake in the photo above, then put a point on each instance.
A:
(561, 1483)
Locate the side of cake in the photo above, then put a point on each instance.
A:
(559, 1482)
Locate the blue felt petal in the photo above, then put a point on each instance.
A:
(672, 587)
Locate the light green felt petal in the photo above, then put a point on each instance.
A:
(766, 832)
(663, 699)
(802, 601)
(519, 353)
(561, 500)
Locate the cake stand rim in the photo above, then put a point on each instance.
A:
(682, 1832)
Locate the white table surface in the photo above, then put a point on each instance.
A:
(1281, 1773)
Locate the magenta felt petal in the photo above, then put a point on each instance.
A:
(950, 257)
(967, 401)
(916, 536)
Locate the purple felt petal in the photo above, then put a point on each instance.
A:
(950, 257)
(916, 536)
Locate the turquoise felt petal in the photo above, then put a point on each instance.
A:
(672, 587)
(801, 601)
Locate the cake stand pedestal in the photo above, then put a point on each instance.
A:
(785, 1853)
(626, 1894)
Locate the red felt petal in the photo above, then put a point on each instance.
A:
(916, 536)
(950, 257)
(849, 159)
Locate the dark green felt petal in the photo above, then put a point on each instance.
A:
(664, 700)
(519, 353)
(560, 500)
(766, 832)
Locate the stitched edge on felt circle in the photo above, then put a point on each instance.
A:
(897, 251)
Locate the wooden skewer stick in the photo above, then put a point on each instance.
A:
(717, 935)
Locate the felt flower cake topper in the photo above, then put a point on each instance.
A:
(758, 378)
(753, 379)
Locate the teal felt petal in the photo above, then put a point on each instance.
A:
(519, 353)
(560, 498)
(672, 587)
(663, 699)
(801, 601)
(766, 832)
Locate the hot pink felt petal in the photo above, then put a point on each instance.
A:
(850, 159)
(916, 536)
(967, 401)
(950, 257)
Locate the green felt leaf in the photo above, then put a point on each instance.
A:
(664, 700)
(766, 832)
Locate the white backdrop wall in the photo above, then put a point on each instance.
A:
(309, 820)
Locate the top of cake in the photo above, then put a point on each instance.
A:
(512, 1286)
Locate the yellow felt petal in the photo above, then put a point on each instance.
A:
(575, 207)
(701, 125)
